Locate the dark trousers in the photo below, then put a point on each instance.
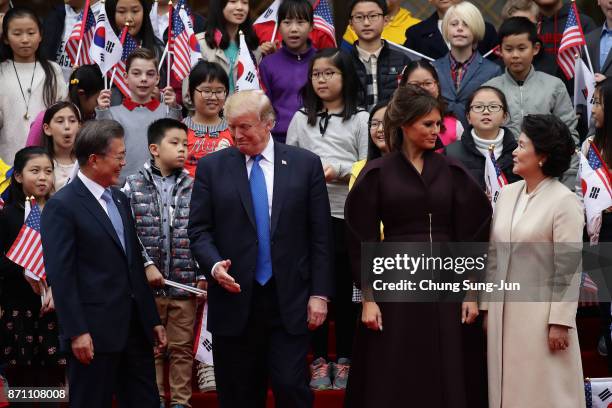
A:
(343, 311)
(265, 350)
(129, 374)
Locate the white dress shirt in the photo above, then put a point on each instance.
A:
(95, 189)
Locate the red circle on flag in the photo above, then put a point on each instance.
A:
(240, 69)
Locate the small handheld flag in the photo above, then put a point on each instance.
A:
(596, 190)
(495, 179)
(571, 41)
(79, 42)
(105, 49)
(248, 78)
(323, 19)
(26, 251)
(186, 46)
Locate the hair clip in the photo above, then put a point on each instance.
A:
(74, 81)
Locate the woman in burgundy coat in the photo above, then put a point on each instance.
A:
(425, 357)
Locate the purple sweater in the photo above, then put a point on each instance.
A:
(283, 75)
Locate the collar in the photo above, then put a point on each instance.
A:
(268, 152)
(531, 73)
(605, 30)
(94, 188)
(298, 56)
(454, 63)
(157, 172)
(364, 55)
(152, 105)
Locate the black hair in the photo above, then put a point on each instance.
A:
(94, 138)
(552, 138)
(496, 91)
(381, 3)
(86, 78)
(146, 35)
(22, 157)
(205, 71)
(603, 135)
(157, 130)
(373, 151)
(6, 53)
(216, 21)
(352, 91)
(518, 26)
(296, 9)
(47, 141)
(427, 66)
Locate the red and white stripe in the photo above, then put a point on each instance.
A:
(27, 251)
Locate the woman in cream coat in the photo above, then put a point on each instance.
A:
(533, 351)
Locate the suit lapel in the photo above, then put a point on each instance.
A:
(281, 176)
(607, 63)
(126, 224)
(241, 181)
(93, 206)
(593, 48)
(446, 77)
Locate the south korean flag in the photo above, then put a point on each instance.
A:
(248, 78)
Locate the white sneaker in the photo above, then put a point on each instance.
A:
(206, 378)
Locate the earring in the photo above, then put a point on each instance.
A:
(540, 163)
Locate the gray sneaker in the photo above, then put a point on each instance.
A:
(319, 375)
(340, 372)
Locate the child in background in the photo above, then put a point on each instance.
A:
(160, 194)
(463, 69)
(285, 72)
(421, 73)
(60, 126)
(139, 111)
(85, 85)
(220, 42)
(30, 83)
(58, 25)
(29, 339)
(208, 132)
(400, 19)
(487, 110)
(378, 64)
(521, 8)
(136, 14)
(333, 127)
(529, 91)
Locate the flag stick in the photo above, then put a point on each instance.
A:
(418, 54)
(274, 32)
(170, 45)
(588, 57)
(185, 287)
(586, 51)
(163, 56)
(83, 24)
(123, 35)
(490, 52)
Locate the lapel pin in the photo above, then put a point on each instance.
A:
(284, 162)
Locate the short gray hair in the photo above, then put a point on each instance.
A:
(94, 138)
(250, 101)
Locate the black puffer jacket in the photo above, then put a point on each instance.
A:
(466, 152)
(390, 64)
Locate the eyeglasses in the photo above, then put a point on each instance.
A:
(493, 108)
(375, 124)
(209, 93)
(360, 18)
(326, 75)
(427, 84)
(118, 158)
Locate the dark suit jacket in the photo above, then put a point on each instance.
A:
(479, 71)
(592, 40)
(222, 226)
(53, 31)
(425, 38)
(94, 280)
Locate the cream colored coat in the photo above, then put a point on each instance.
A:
(523, 372)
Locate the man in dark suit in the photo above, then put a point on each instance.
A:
(260, 231)
(105, 308)
(426, 38)
(599, 42)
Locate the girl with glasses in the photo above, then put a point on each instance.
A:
(487, 111)
(208, 132)
(422, 74)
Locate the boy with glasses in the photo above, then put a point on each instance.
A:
(378, 64)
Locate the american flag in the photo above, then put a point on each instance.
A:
(129, 45)
(82, 35)
(501, 177)
(324, 19)
(185, 44)
(597, 165)
(495, 179)
(26, 251)
(572, 40)
(587, 283)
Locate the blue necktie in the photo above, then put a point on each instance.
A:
(259, 194)
(113, 214)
